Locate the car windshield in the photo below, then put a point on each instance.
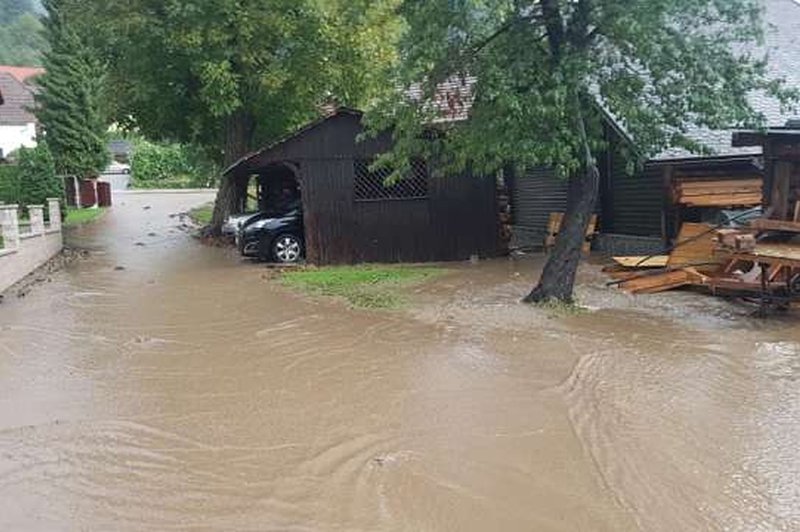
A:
(285, 209)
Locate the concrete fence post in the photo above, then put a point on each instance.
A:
(36, 213)
(54, 211)
(9, 219)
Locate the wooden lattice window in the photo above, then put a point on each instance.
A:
(371, 185)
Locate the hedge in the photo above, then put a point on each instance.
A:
(10, 184)
(162, 165)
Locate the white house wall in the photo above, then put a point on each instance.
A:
(15, 137)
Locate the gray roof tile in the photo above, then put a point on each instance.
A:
(17, 102)
(783, 48)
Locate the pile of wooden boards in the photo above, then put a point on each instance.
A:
(691, 262)
(732, 262)
(717, 193)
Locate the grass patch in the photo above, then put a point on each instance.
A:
(556, 308)
(361, 286)
(76, 216)
(202, 215)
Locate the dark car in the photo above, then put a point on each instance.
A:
(276, 236)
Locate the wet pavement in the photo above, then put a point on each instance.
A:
(160, 384)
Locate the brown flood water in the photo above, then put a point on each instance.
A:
(187, 392)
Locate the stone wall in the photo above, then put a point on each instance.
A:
(27, 247)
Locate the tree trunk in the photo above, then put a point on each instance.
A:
(558, 277)
(239, 129)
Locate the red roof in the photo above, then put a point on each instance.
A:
(21, 74)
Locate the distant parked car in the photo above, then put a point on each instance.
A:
(117, 168)
(276, 236)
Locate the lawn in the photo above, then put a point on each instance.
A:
(202, 215)
(77, 216)
(361, 286)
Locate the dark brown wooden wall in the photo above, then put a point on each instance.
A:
(457, 220)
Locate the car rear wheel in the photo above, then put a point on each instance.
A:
(287, 249)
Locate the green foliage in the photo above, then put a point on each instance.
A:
(163, 165)
(9, 184)
(230, 75)
(538, 69)
(37, 176)
(361, 286)
(70, 102)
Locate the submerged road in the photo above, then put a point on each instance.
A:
(163, 385)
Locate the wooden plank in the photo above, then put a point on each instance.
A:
(659, 282)
(722, 200)
(719, 185)
(720, 191)
(722, 183)
(695, 246)
(763, 224)
(773, 254)
(658, 261)
(731, 283)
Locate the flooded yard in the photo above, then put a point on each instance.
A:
(159, 384)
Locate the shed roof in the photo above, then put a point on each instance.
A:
(17, 102)
(244, 161)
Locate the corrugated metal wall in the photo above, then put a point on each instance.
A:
(534, 195)
(636, 201)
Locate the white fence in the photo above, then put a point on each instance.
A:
(27, 246)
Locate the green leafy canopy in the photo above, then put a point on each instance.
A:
(536, 68)
(190, 70)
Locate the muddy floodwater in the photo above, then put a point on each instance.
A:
(159, 384)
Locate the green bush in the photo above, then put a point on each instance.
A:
(37, 176)
(9, 184)
(169, 166)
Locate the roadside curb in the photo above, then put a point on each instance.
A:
(166, 191)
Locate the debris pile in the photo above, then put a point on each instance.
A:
(760, 261)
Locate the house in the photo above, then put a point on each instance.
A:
(18, 125)
(350, 216)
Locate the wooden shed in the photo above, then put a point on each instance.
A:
(351, 215)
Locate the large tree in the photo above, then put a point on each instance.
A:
(541, 75)
(70, 104)
(229, 75)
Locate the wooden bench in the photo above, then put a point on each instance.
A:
(554, 227)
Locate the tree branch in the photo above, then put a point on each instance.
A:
(504, 28)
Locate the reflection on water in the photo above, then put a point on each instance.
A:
(164, 385)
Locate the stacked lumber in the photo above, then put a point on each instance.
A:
(718, 193)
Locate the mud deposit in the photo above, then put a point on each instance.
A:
(164, 385)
